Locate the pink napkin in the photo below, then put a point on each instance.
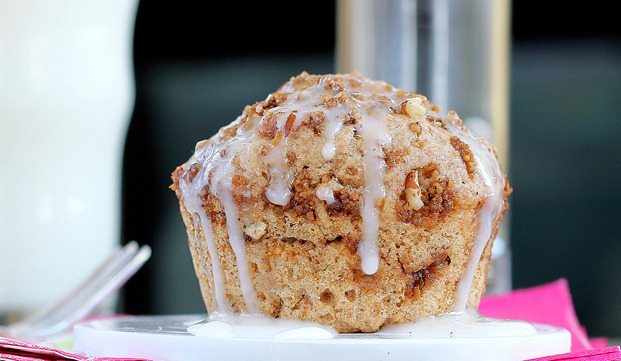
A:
(550, 304)
(14, 350)
(611, 353)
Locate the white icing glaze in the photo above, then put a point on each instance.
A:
(454, 325)
(371, 101)
(279, 190)
(192, 202)
(461, 325)
(301, 104)
(375, 136)
(261, 327)
(325, 194)
(215, 160)
(221, 188)
(490, 172)
(333, 124)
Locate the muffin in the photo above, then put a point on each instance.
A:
(344, 201)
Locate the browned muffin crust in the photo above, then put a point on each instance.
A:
(302, 256)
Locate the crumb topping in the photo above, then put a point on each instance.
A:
(465, 153)
(436, 196)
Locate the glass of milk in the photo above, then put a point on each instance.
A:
(66, 96)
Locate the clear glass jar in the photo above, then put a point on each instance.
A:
(454, 51)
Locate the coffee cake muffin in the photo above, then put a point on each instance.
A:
(344, 201)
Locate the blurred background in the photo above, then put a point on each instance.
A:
(195, 71)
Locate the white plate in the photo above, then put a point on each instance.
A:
(167, 338)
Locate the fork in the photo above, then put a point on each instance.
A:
(82, 300)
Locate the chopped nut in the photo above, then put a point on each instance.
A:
(412, 191)
(350, 118)
(331, 84)
(277, 138)
(249, 122)
(229, 131)
(340, 98)
(414, 108)
(395, 156)
(430, 171)
(192, 172)
(239, 180)
(291, 157)
(415, 128)
(267, 128)
(256, 108)
(314, 122)
(289, 124)
(256, 231)
(274, 100)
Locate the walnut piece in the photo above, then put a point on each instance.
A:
(414, 108)
(256, 230)
(289, 124)
(413, 193)
(415, 128)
